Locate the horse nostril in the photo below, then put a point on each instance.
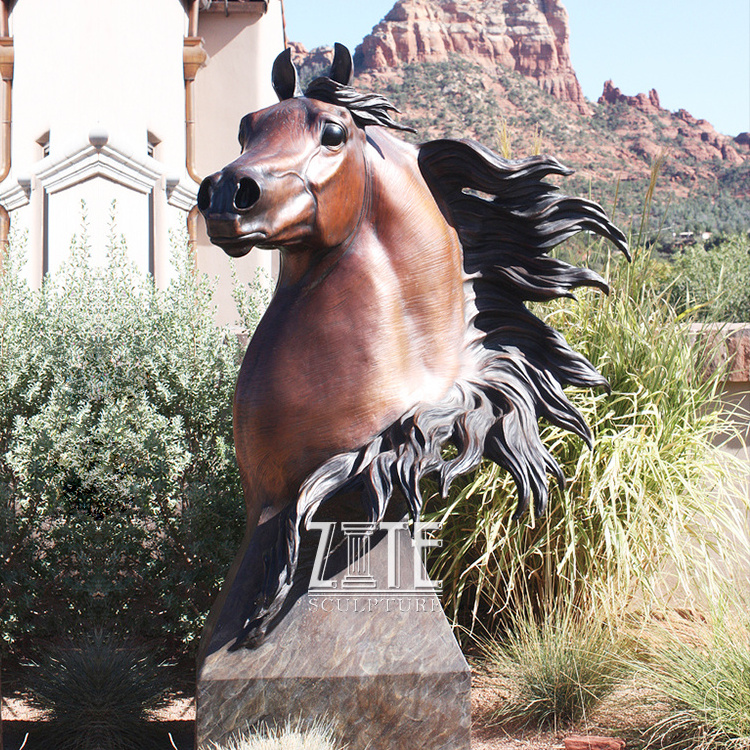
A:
(247, 194)
(204, 195)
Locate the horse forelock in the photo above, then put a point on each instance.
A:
(365, 109)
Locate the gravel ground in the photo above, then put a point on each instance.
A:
(624, 715)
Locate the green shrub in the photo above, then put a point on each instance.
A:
(120, 500)
(715, 279)
(96, 695)
(649, 495)
(559, 669)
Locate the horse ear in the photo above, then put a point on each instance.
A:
(342, 68)
(284, 76)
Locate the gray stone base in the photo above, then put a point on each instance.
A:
(381, 665)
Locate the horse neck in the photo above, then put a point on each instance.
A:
(421, 249)
(400, 202)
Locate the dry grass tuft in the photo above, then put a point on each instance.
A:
(292, 736)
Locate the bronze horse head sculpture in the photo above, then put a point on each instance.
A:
(398, 324)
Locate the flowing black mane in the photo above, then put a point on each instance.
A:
(507, 219)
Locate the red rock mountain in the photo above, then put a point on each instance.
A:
(527, 36)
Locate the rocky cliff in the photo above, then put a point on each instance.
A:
(695, 138)
(527, 36)
(499, 71)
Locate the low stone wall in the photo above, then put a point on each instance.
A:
(729, 344)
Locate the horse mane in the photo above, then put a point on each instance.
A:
(507, 219)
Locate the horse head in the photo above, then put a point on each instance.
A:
(300, 180)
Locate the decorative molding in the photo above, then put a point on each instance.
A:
(183, 195)
(107, 162)
(15, 196)
(88, 162)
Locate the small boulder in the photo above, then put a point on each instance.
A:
(590, 742)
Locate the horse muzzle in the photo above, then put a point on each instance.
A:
(226, 202)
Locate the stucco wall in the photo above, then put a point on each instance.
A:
(83, 62)
(235, 81)
(83, 65)
(116, 68)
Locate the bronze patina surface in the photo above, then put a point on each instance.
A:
(398, 326)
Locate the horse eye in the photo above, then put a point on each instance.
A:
(333, 135)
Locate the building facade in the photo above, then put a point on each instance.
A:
(128, 105)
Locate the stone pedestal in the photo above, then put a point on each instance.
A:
(377, 660)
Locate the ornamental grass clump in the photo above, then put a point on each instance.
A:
(559, 669)
(706, 681)
(292, 736)
(97, 694)
(654, 494)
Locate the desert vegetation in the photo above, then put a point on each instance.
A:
(562, 605)
(557, 669)
(630, 504)
(116, 467)
(705, 680)
(120, 505)
(569, 608)
(713, 279)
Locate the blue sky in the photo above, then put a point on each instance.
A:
(695, 53)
